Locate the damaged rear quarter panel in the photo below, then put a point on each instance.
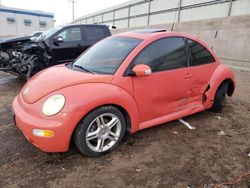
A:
(221, 74)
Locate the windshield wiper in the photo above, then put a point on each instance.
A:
(83, 68)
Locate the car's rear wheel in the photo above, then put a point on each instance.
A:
(100, 131)
(219, 98)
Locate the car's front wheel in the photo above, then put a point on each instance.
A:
(100, 131)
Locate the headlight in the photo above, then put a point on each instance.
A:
(53, 105)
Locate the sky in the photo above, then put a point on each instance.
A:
(62, 9)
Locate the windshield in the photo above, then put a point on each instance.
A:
(106, 56)
(46, 34)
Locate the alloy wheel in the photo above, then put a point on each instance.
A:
(103, 132)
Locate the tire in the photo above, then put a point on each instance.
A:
(219, 98)
(100, 132)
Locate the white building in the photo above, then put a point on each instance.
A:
(20, 22)
(139, 13)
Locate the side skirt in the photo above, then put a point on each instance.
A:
(171, 117)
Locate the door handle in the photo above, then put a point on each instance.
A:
(79, 45)
(188, 75)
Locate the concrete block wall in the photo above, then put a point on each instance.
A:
(232, 44)
(151, 12)
(205, 12)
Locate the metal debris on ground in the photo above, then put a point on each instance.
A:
(221, 133)
(138, 170)
(190, 186)
(217, 117)
(186, 124)
(176, 132)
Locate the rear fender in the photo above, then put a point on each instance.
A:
(221, 74)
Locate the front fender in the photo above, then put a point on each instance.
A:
(221, 74)
(83, 98)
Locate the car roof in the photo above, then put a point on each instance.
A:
(148, 31)
(145, 34)
(98, 25)
(150, 35)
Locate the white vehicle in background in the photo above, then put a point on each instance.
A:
(35, 35)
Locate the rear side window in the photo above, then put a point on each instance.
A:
(199, 54)
(95, 33)
(164, 54)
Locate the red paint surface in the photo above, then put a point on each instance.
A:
(148, 100)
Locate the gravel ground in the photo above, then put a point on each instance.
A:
(168, 155)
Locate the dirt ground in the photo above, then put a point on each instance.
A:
(168, 155)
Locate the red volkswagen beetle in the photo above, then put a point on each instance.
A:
(127, 82)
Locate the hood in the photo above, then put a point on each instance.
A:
(15, 39)
(55, 78)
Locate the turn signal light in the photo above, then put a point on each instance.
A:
(43, 133)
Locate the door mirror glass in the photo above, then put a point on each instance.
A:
(142, 70)
(58, 39)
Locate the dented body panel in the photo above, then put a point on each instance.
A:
(221, 74)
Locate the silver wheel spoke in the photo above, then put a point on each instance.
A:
(100, 121)
(100, 144)
(112, 122)
(113, 134)
(92, 135)
(112, 138)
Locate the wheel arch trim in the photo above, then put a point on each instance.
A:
(94, 95)
(221, 75)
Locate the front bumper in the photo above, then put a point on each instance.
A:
(28, 117)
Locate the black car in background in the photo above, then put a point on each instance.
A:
(67, 43)
(55, 46)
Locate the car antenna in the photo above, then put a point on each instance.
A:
(215, 36)
(172, 27)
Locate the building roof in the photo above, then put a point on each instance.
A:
(26, 12)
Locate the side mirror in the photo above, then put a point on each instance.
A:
(58, 40)
(142, 70)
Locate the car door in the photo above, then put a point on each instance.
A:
(166, 90)
(202, 67)
(70, 48)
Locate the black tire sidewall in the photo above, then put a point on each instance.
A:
(80, 131)
(219, 98)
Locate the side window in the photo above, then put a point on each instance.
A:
(199, 54)
(95, 33)
(164, 54)
(71, 34)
